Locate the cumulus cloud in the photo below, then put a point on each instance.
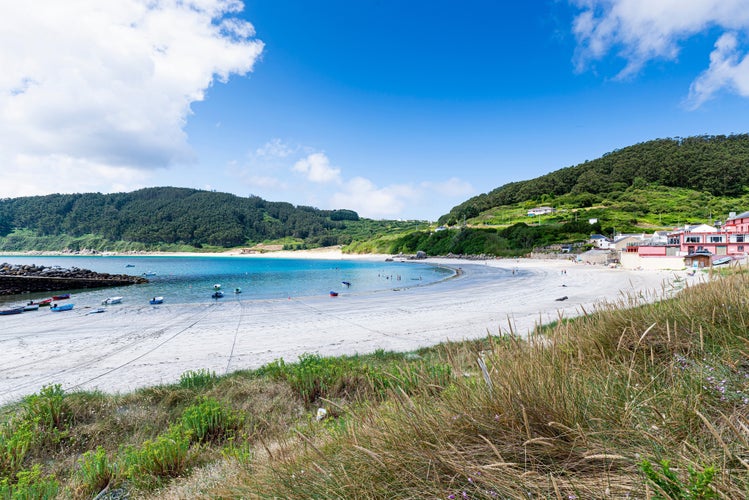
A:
(642, 30)
(729, 68)
(109, 85)
(363, 196)
(316, 167)
(322, 185)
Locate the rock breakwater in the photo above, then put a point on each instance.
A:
(17, 279)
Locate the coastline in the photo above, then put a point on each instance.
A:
(130, 347)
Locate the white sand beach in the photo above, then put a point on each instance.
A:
(131, 346)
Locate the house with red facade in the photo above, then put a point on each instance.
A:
(718, 242)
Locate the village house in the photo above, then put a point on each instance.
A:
(599, 241)
(697, 245)
(540, 211)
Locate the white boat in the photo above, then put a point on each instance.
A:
(217, 286)
(111, 300)
(156, 300)
(31, 307)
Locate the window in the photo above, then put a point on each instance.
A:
(740, 248)
(693, 239)
(673, 240)
(739, 238)
(715, 239)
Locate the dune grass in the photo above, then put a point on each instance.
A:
(632, 400)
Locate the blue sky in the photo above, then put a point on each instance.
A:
(396, 109)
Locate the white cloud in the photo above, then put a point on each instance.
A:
(316, 167)
(727, 69)
(643, 30)
(451, 188)
(364, 197)
(275, 148)
(110, 84)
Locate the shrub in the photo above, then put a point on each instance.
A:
(208, 420)
(30, 485)
(166, 456)
(669, 486)
(95, 471)
(14, 445)
(197, 379)
(48, 408)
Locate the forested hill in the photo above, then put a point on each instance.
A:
(718, 165)
(170, 215)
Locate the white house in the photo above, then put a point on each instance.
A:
(540, 211)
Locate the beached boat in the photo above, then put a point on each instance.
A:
(31, 307)
(96, 311)
(112, 300)
(722, 260)
(333, 294)
(64, 307)
(62, 296)
(217, 294)
(15, 310)
(156, 300)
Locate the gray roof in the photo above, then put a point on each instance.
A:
(740, 216)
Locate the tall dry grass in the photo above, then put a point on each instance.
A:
(573, 413)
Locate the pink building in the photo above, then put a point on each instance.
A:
(728, 240)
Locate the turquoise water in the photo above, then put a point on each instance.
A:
(192, 279)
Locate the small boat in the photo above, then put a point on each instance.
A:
(722, 260)
(333, 294)
(45, 302)
(237, 290)
(15, 310)
(217, 286)
(129, 265)
(217, 294)
(96, 311)
(156, 300)
(149, 273)
(346, 283)
(61, 296)
(64, 307)
(31, 307)
(112, 300)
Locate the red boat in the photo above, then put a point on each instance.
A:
(43, 303)
(61, 297)
(333, 294)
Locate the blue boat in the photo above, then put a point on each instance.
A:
(217, 294)
(15, 310)
(63, 307)
(156, 300)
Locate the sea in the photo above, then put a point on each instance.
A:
(193, 279)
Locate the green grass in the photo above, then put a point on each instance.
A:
(631, 400)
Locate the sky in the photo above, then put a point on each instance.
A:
(398, 109)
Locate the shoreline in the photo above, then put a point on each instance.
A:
(130, 347)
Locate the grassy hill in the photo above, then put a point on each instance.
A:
(649, 402)
(175, 219)
(715, 165)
